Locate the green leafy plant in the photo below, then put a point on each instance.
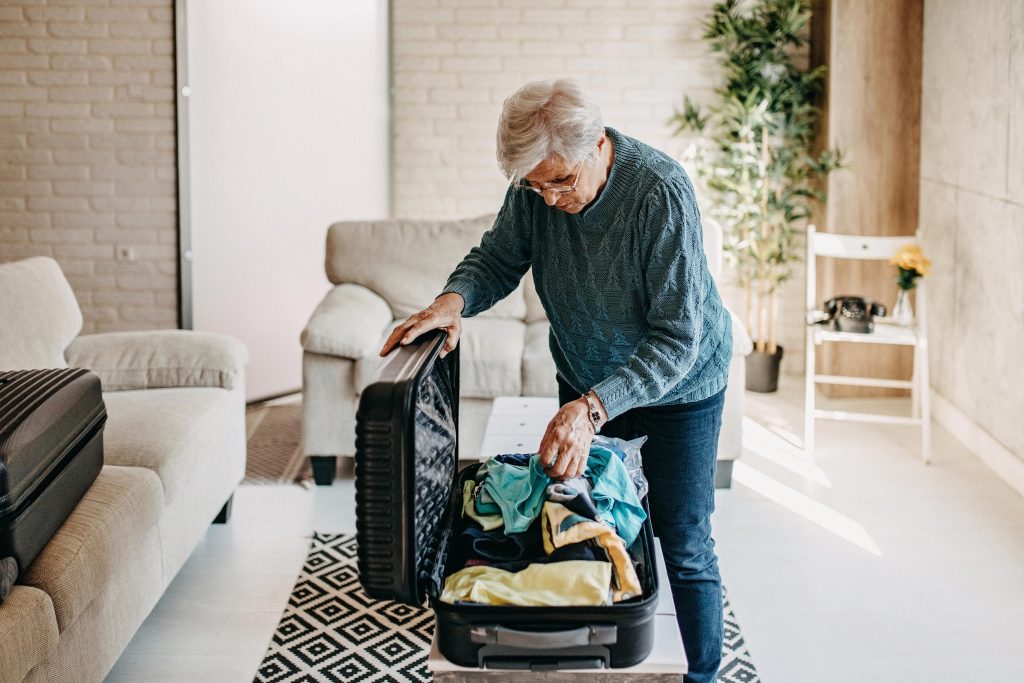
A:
(755, 153)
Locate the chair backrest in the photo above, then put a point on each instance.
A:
(859, 247)
(854, 246)
(39, 315)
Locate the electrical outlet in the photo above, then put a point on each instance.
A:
(126, 254)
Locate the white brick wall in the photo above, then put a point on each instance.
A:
(455, 61)
(87, 151)
(87, 147)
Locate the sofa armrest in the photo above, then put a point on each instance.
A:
(742, 344)
(348, 323)
(160, 359)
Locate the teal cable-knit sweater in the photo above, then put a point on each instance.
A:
(634, 312)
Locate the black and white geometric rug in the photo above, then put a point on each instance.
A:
(332, 632)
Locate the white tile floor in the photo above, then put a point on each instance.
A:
(867, 565)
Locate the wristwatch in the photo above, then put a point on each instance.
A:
(594, 413)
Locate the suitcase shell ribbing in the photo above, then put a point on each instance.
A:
(51, 451)
(408, 496)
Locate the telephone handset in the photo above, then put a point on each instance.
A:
(853, 313)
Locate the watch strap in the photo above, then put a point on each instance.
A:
(594, 413)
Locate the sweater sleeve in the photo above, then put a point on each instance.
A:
(490, 271)
(675, 282)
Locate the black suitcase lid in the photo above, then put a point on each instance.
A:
(42, 412)
(405, 464)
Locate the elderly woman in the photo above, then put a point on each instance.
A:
(639, 336)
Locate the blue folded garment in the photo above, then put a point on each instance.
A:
(614, 494)
(518, 491)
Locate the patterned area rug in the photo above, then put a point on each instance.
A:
(273, 433)
(332, 632)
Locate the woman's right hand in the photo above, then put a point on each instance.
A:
(444, 314)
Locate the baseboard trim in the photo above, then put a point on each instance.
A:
(994, 454)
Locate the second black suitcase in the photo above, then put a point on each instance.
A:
(407, 501)
(51, 451)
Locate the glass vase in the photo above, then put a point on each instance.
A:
(902, 313)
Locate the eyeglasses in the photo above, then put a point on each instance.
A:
(559, 189)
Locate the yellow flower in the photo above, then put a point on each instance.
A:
(910, 257)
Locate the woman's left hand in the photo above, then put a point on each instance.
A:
(566, 444)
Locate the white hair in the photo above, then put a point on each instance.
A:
(544, 119)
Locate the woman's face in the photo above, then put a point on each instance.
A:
(556, 172)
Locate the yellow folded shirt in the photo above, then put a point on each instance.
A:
(559, 584)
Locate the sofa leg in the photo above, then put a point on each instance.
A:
(324, 467)
(225, 512)
(723, 474)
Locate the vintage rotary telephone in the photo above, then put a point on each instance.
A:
(853, 313)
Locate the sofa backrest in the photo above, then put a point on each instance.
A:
(39, 315)
(407, 262)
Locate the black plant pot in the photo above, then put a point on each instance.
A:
(763, 370)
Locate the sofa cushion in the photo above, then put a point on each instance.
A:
(407, 262)
(491, 359)
(28, 631)
(538, 365)
(153, 428)
(158, 359)
(39, 315)
(121, 507)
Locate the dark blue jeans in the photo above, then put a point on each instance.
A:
(679, 463)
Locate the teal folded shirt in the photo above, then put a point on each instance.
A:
(614, 494)
(517, 491)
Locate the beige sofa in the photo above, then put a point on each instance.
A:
(174, 450)
(382, 272)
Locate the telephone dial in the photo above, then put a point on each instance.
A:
(853, 313)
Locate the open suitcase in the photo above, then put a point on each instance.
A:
(407, 504)
(51, 451)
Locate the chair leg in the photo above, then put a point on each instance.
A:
(915, 381)
(924, 389)
(225, 512)
(809, 390)
(324, 467)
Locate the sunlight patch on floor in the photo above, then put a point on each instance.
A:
(805, 506)
(775, 448)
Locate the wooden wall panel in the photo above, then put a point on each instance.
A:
(872, 109)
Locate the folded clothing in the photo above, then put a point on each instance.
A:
(518, 491)
(584, 550)
(561, 527)
(469, 509)
(572, 583)
(497, 546)
(614, 493)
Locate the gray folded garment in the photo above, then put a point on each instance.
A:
(8, 575)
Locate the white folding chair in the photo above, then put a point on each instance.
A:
(916, 335)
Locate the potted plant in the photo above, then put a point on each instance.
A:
(755, 156)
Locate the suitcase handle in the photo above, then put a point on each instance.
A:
(544, 640)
